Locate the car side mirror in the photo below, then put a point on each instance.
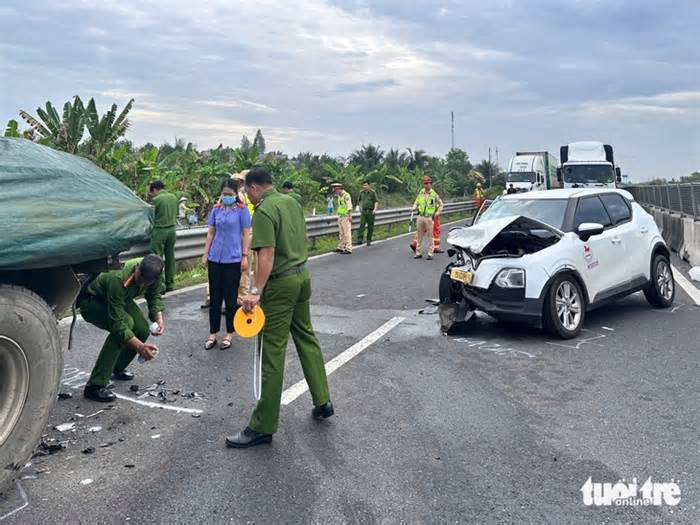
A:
(618, 173)
(586, 230)
(559, 174)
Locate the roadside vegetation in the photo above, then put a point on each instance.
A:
(196, 174)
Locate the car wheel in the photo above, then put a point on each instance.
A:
(662, 289)
(31, 363)
(565, 307)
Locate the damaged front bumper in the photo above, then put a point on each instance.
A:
(459, 301)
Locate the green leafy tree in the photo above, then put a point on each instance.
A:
(64, 133)
(368, 158)
(245, 144)
(106, 130)
(259, 143)
(12, 129)
(417, 159)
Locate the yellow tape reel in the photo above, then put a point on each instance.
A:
(249, 324)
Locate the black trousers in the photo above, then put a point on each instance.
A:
(224, 279)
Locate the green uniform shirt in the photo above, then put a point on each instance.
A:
(367, 200)
(166, 209)
(297, 197)
(279, 223)
(109, 288)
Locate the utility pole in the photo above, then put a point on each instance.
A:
(452, 116)
(489, 167)
(497, 156)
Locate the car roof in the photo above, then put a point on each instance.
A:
(566, 193)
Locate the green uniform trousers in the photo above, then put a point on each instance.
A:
(285, 302)
(163, 244)
(115, 356)
(366, 218)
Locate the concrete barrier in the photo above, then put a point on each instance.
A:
(682, 234)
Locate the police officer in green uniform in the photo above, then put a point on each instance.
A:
(108, 303)
(288, 189)
(368, 203)
(163, 236)
(283, 288)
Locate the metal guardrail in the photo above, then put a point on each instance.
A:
(680, 198)
(190, 241)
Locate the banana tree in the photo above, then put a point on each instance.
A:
(62, 133)
(106, 130)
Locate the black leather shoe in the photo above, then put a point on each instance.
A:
(429, 258)
(123, 376)
(248, 438)
(99, 393)
(417, 256)
(324, 411)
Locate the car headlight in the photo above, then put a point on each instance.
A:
(510, 278)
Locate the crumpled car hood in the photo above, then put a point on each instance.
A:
(476, 238)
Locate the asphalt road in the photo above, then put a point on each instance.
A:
(500, 424)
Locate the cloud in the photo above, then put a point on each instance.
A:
(371, 85)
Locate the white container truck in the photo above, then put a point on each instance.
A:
(532, 171)
(588, 165)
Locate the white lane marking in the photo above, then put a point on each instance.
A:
(299, 388)
(158, 405)
(25, 503)
(687, 286)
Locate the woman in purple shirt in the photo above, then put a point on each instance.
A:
(225, 255)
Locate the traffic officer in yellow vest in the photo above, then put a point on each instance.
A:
(343, 209)
(283, 289)
(429, 206)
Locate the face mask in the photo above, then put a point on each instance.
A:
(228, 200)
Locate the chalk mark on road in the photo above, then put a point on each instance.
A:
(587, 340)
(299, 388)
(76, 378)
(25, 502)
(494, 348)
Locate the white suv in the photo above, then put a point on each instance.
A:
(548, 257)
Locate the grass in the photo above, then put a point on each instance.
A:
(193, 273)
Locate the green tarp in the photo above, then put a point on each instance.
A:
(58, 209)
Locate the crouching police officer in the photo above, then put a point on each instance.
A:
(282, 286)
(108, 303)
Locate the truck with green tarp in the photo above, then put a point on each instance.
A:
(63, 221)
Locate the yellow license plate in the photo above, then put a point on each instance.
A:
(461, 276)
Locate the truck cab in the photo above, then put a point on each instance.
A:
(532, 171)
(588, 164)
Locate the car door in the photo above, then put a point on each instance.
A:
(634, 235)
(602, 255)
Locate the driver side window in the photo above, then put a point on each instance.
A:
(590, 209)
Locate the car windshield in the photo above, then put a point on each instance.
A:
(589, 174)
(521, 176)
(548, 211)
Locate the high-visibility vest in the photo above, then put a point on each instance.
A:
(427, 204)
(478, 194)
(341, 207)
(249, 204)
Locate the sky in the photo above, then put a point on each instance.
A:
(329, 75)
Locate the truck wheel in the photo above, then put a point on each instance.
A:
(564, 308)
(662, 289)
(31, 363)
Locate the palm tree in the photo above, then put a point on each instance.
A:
(417, 159)
(62, 133)
(105, 131)
(367, 158)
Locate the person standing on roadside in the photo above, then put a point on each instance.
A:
(225, 256)
(163, 235)
(479, 196)
(343, 209)
(288, 189)
(428, 205)
(283, 289)
(369, 204)
(244, 201)
(108, 303)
